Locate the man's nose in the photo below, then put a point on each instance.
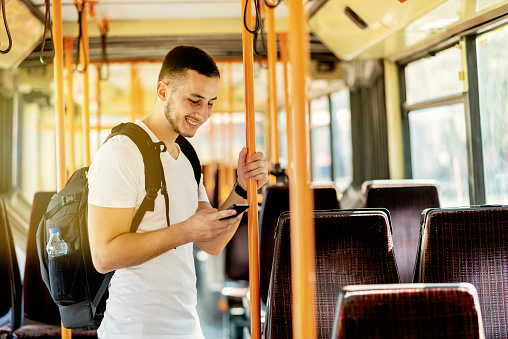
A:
(204, 112)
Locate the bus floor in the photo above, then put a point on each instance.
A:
(212, 328)
(209, 285)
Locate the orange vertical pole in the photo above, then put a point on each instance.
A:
(58, 68)
(212, 139)
(132, 93)
(99, 108)
(59, 93)
(69, 46)
(139, 112)
(209, 180)
(272, 85)
(223, 184)
(248, 70)
(302, 223)
(86, 89)
(232, 165)
(287, 107)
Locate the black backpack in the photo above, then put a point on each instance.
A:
(79, 291)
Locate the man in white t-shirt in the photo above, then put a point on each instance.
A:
(153, 291)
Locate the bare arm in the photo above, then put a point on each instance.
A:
(216, 246)
(252, 168)
(112, 244)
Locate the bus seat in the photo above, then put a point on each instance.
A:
(42, 318)
(469, 244)
(352, 247)
(237, 253)
(10, 283)
(275, 202)
(237, 279)
(408, 311)
(210, 181)
(405, 199)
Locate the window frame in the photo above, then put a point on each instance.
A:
(328, 95)
(470, 98)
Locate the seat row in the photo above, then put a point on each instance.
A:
(28, 306)
(359, 247)
(354, 247)
(408, 311)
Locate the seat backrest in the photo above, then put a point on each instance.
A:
(275, 202)
(405, 199)
(410, 311)
(210, 181)
(352, 247)
(37, 302)
(469, 245)
(10, 281)
(237, 253)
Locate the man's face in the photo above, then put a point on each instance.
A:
(191, 104)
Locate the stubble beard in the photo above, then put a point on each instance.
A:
(171, 117)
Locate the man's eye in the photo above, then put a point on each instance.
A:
(195, 102)
(210, 104)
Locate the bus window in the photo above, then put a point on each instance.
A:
(439, 151)
(320, 140)
(437, 127)
(434, 77)
(341, 134)
(492, 56)
(36, 144)
(283, 139)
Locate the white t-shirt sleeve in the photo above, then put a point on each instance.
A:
(202, 196)
(114, 176)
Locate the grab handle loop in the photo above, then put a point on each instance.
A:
(5, 51)
(47, 22)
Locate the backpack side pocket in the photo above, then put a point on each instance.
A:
(68, 280)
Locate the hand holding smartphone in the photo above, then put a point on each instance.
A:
(239, 208)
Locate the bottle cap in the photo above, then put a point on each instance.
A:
(54, 230)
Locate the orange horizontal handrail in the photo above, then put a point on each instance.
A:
(159, 61)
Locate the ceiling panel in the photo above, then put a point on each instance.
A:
(148, 29)
(397, 29)
(159, 9)
(227, 46)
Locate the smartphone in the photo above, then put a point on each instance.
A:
(239, 208)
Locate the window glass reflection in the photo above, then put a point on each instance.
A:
(439, 151)
(493, 86)
(320, 140)
(341, 135)
(434, 77)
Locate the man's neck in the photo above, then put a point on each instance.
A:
(161, 129)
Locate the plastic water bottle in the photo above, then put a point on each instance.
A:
(56, 246)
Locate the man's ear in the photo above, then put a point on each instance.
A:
(162, 90)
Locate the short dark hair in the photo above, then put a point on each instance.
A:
(183, 58)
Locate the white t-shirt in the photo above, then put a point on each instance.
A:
(156, 299)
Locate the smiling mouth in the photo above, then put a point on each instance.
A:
(193, 123)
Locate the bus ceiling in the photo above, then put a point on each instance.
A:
(340, 29)
(395, 29)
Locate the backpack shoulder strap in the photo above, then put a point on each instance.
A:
(191, 154)
(154, 174)
(154, 181)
